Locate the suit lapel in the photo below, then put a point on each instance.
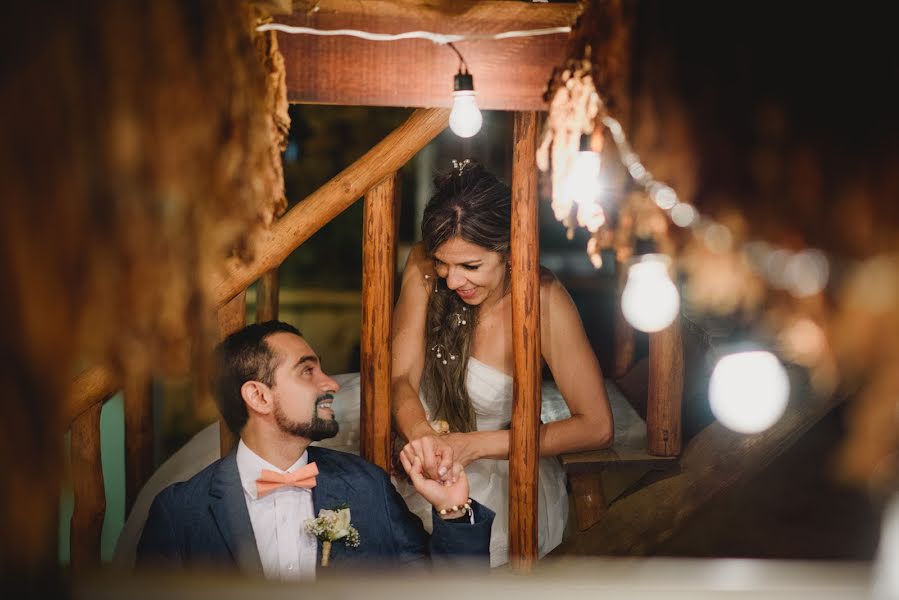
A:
(230, 512)
(331, 491)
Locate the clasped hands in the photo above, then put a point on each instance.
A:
(432, 463)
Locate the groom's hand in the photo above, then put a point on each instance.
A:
(453, 492)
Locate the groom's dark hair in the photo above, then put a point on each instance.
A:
(244, 356)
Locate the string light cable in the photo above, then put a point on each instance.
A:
(437, 38)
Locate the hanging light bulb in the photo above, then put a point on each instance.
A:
(582, 186)
(748, 391)
(465, 119)
(650, 301)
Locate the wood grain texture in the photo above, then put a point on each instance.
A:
(524, 437)
(713, 460)
(378, 272)
(317, 209)
(231, 317)
(93, 385)
(138, 401)
(589, 500)
(352, 71)
(666, 391)
(88, 490)
(267, 297)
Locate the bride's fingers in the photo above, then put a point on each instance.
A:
(429, 457)
(407, 465)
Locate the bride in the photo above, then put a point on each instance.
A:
(452, 344)
(452, 392)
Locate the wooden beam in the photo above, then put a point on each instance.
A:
(524, 438)
(714, 460)
(267, 297)
(94, 384)
(88, 490)
(232, 317)
(138, 402)
(666, 391)
(378, 270)
(509, 74)
(308, 216)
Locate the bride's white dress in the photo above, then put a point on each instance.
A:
(491, 393)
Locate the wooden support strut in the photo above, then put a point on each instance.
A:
(666, 390)
(232, 317)
(317, 209)
(138, 407)
(267, 297)
(295, 227)
(88, 490)
(378, 271)
(524, 437)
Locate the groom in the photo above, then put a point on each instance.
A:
(249, 508)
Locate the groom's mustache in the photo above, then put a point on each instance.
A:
(323, 397)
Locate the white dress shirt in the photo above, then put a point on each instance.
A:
(288, 553)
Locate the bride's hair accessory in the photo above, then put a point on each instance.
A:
(441, 351)
(461, 165)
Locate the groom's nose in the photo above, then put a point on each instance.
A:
(328, 384)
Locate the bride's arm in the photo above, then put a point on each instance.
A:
(577, 373)
(408, 340)
(570, 357)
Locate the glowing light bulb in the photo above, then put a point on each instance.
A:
(465, 118)
(650, 301)
(582, 184)
(748, 391)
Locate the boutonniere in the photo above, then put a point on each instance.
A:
(330, 526)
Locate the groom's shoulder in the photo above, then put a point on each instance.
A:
(351, 465)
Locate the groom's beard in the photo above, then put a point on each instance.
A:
(315, 430)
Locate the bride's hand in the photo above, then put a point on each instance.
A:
(435, 455)
(462, 445)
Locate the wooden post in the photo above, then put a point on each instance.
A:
(232, 317)
(622, 332)
(378, 268)
(88, 490)
(139, 444)
(590, 501)
(267, 297)
(524, 442)
(666, 389)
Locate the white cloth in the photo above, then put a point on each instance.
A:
(491, 396)
(286, 550)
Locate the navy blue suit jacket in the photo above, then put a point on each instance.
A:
(204, 522)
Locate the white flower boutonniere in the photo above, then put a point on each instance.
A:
(330, 526)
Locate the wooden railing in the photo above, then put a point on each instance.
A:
(373, 176)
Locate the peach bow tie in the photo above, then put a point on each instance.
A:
(304, 477)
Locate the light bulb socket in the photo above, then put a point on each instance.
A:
(463, 82)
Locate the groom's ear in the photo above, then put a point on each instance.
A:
(257, 396)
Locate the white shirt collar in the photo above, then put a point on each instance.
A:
(250, 466)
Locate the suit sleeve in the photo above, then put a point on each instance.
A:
(158, 545)
(452, 544)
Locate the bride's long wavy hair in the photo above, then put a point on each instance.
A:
(473, 204)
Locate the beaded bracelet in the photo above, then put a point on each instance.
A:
(465, 508)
